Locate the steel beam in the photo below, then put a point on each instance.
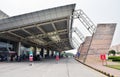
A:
(80, 35)
(62, 40)
(15, 35)
(85, 20)
(26, 31)
(60, 32)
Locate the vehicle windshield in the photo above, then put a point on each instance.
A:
(3, 49)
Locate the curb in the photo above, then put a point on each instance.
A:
(105, 73)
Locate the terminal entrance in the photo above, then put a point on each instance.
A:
(8, 52)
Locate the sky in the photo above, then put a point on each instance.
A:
(99, 11)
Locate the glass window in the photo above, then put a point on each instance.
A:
(3, 49)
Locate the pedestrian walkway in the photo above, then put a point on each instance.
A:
(103, 68)
(111, 71)
(48, 68)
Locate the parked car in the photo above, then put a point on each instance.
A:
(6, 54)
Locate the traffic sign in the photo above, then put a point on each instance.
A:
(103, 56)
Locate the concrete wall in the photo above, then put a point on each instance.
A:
(101, 42)
(84, 48)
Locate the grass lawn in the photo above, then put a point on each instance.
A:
(114, 66)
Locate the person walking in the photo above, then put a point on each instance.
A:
(57, 57)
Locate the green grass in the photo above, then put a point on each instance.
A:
(114, 66)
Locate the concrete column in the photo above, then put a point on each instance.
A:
(35, 50)
(42, 52)
(52, 53)
(59, 53)
(48, 53)
(19, 48)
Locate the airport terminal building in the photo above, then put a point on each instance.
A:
(43, 32)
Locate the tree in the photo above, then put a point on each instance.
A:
(112, 52)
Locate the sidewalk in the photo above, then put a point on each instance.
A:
(67, 67)
(107, 70)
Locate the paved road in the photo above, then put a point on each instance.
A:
(47, 68)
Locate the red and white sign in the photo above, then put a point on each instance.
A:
(103, 56)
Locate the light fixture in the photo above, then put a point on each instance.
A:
(55, 38)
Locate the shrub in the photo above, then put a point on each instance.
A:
(114, 58)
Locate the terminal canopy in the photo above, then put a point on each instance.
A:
(48, 28)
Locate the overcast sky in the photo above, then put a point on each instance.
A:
(99, 11)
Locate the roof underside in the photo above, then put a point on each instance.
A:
(46, 28)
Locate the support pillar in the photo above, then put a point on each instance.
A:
(59, 54)
(48, 53)
(35, 50)
(42, 52)
(52, 53)
(19, 48)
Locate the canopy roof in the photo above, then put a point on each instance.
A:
(46, 28)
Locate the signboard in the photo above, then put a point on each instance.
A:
(103, 56)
